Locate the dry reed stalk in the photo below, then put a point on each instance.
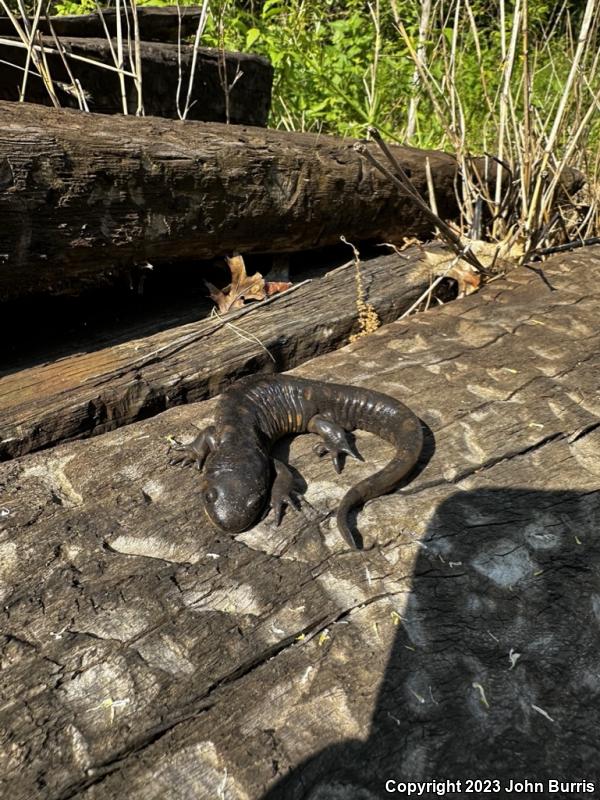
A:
(430, 187)
(119, 58)
(399, 177)
(537, 208)
(508, 64)
(36, 53)
(533, 147)
(32, 49)
(106, 33)
(138, 59)
(197, 38)
(32, 33)
(75, 84)
(134, 51)
(222, 63)
(38, 48)
(429, 84)
(421, 54)
(371, 86)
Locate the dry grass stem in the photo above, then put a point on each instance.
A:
(197, 38)
(535, 134)
(402, 181)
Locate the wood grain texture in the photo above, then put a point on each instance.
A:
(143, 655)
(83, 197)
(92, 392)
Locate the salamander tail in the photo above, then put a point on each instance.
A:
(349, 500)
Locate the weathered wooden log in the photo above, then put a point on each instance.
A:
(90, 393)
(247, 101)
(144, 654)
(83, 196)
(156, 24)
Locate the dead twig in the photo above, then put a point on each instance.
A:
(402, 181)
(563, 248)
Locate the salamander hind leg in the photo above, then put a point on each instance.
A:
(335, 440)
(196, 451)
(283, 493)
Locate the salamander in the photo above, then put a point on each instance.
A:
(233, 454)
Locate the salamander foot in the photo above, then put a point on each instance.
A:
(283, 493)
(335, 441)
(196, 451)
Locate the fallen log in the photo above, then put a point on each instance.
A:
(247, 101)
(89, 393)
(155, 24)
(145, 655)
(83, 197)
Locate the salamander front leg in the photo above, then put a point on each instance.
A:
(196, 451)
(335, 440)
(283, 493)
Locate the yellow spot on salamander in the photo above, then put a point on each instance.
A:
(298, 420)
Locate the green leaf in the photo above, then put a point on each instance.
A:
(251, 36)
(271, 8)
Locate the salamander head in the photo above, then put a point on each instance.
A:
(235, 495)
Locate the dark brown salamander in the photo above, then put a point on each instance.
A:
(257, 410)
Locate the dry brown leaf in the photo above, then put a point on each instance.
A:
(274, 287)
(467, 278)
(496, 257)
(241, 288)
(444, 262)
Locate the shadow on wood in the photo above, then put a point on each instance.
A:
(493, 674)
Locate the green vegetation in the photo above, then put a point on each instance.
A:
(519, 79)
(342, 66)
(338, 65)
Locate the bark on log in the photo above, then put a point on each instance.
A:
(247, 102)
(155, 24)
(83, 196)
(93, 392)
(145, 655)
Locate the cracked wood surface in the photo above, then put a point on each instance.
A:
(145, 656)
(94, 392)
(84, 197)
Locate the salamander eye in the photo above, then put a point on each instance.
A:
(210, 496)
